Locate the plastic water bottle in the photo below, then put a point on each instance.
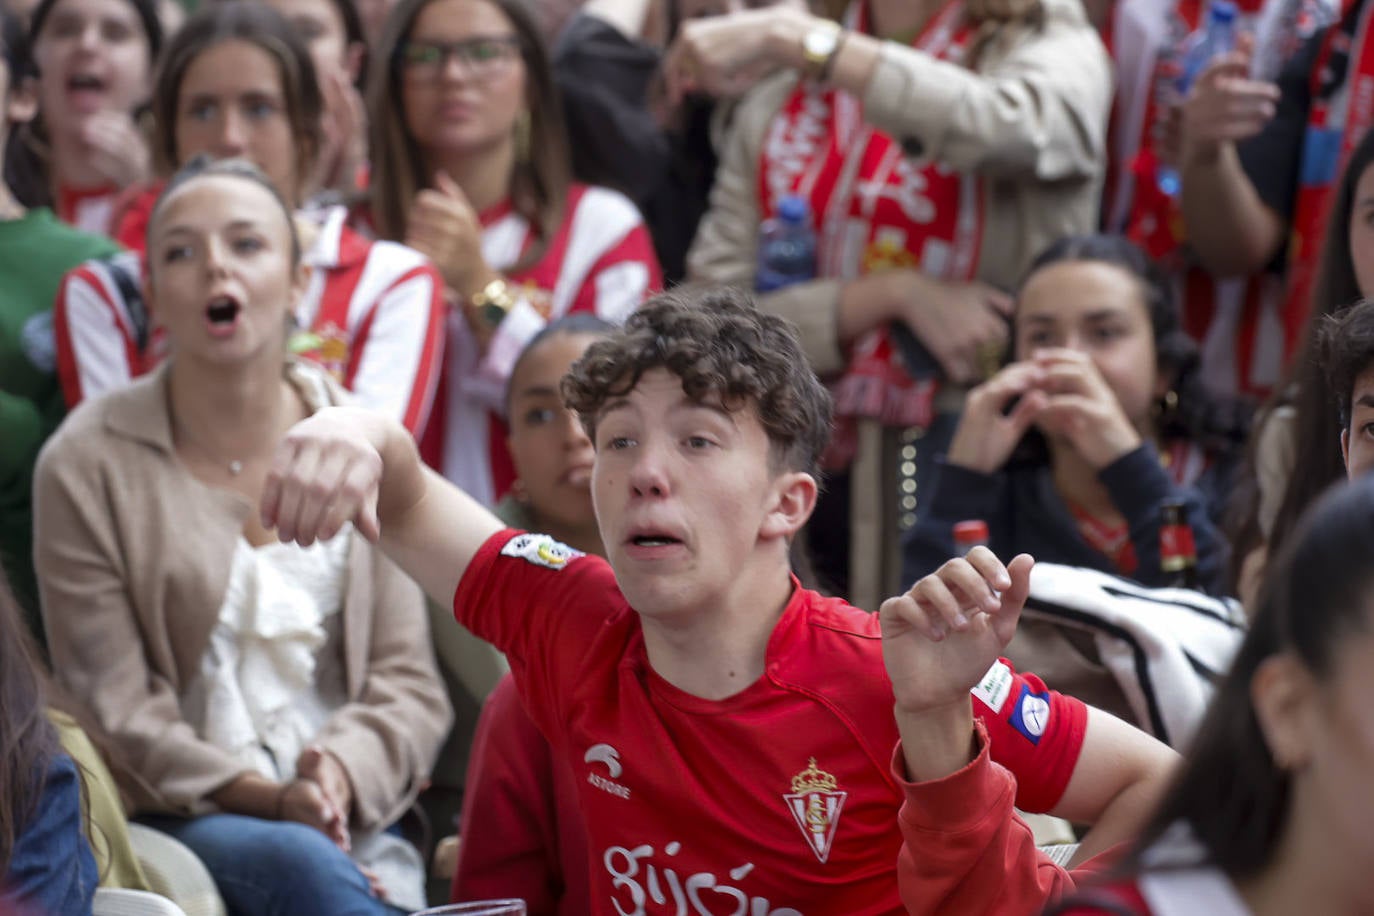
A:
(787, 247)
(1217, 36)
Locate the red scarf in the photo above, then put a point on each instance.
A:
(875, 208)
(1342, 110)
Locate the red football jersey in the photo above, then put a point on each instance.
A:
(777, 801)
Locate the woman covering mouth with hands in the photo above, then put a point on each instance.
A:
(1104, 389)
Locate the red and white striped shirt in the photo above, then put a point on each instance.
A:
(373, 312)
(601, 260)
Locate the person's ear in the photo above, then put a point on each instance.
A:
(22, 104)
(1286, 702)
(300, 281)
(1345, 450)
(794, 499)
(354, 56)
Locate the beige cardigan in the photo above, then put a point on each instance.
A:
(133, 555)
(1031, 120)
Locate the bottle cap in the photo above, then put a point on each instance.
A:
(1222, 11)
(793, 208)
(971, 532)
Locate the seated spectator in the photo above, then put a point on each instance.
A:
(45, 862)
(939, 147)
(1294, 453)
(34, 251)
(625, 132)
(237, 81)
(92, 61)
(1271, 811)
(522, 834)
(723, 722)
(1103, 385)
(278, 707)
(333, 32)
(470, 166)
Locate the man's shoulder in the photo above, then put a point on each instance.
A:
(834, 618)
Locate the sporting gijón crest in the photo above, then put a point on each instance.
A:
(815, 802)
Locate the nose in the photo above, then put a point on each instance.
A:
(89, 37)
(648, 475)
(455, 68)
(233, 136)
(574, 435)
(216, 257)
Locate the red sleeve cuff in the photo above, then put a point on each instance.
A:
(960, 800)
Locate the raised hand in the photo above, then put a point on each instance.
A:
(327, 471)
(443, 226)
(1082, 408)
(990, 427)
(1225, 105)
(726, 55)
(117, 148)
(942, 636)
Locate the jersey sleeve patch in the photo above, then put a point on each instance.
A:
(541, 550)
(992, 691)
(1032, 714)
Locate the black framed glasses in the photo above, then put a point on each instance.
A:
(483, 55)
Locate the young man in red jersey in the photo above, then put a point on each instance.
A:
(732, 732)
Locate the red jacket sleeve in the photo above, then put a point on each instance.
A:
(964, 850)
(522, 834)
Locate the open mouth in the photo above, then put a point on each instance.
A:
(85, 82)
(222, 311)
(654, 540)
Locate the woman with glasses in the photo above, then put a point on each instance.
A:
(238, 82)
(470, 166)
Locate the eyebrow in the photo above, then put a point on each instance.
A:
(1098, 315)
(534, 391)
(686, 403)
(236, 225)
(1365, 400)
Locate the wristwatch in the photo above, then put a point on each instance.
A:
(819, 45)
(491, 304)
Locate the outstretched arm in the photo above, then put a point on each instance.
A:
(349, 464)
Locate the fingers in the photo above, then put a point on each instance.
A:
(314, 512)
(450, 188)
(295, 493)
(998, 301)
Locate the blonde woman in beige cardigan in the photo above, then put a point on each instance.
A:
(941, 144)
(279, 707)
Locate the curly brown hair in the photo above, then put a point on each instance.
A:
(727, 353)
(1346, 338)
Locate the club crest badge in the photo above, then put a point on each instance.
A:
(815, 802)
(541, 550)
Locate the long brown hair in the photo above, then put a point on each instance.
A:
(539, 184)
(263, 27)
(28, 741)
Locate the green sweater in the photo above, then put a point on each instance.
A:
(35, 251)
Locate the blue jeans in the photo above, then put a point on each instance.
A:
(275, 868)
